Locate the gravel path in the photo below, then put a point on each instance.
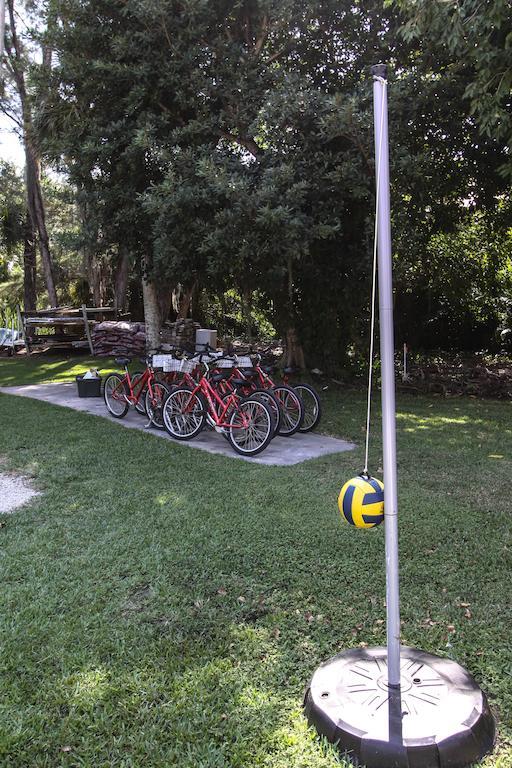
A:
(14, 492)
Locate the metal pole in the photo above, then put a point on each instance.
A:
(388, 371)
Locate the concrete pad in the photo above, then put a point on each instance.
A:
(282, 451)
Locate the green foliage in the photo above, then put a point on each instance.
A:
(463, 287)
(477, 38)
(230, 147)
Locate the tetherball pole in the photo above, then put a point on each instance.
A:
(394, 706)
(387, 355)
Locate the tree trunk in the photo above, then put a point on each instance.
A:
(121, 282)
(94, 278)
(294, 355)
(151, 315)
(37, 213)
(246, 297)
(33, 166)
(164, 302)
(29, 266)
(185, 301)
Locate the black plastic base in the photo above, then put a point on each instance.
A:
(439, 717)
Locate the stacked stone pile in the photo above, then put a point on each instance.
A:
(182, 333)
(118, 338)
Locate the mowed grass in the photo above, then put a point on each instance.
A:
(165, 607)
(44, 368)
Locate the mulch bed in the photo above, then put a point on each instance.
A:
(476, 377)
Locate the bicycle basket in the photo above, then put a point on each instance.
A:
(244, 361)
(225, 363)
(158, 361)
(172, 365)
(188, 366)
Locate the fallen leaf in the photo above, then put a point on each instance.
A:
(241, 599)
(65, 749)
(221, 591)
(467, 613)
(450, 628)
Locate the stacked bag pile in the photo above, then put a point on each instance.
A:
(118, 338)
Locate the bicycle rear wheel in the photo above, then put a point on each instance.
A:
(251, 427)
(292, 409)
(114, 395)
(312, 407)
(184, 413)
(154, 403)
(271, 400)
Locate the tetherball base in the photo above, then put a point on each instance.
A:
(440, 717)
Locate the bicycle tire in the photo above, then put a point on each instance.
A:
(269, 397)
(312, 406)
(292, 409)
(154, 410)
(116, 406)
(180, 425)
(254, 439)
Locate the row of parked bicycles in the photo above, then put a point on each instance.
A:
(235, 395)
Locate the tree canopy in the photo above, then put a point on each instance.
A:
(220, 146)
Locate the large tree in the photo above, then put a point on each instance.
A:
(19, 61)
(231, 144)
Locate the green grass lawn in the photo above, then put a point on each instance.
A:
(38, 368)
(161, 606)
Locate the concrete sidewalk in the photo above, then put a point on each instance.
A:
(282, 451)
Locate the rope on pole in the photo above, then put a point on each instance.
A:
(374, 291)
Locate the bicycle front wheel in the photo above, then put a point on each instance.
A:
(292, 409)
(251, 427)
(154, 403)
(114, 395)
(312, 407)
(184, 414)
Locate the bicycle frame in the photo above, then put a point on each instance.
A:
(135, 390)
(217, 407)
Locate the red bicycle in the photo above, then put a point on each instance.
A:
(140, 390)
(247, 423)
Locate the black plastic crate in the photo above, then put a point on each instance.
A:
(88, 387)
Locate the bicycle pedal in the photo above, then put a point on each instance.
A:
(220, 430)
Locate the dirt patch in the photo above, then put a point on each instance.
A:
(15, 491)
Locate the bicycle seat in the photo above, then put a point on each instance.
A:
(268, 368)
(249, 372)
(216, 377)
(239, 382)
(123, 360)
(289, 370)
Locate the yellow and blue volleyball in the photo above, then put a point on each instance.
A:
(361, 501)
